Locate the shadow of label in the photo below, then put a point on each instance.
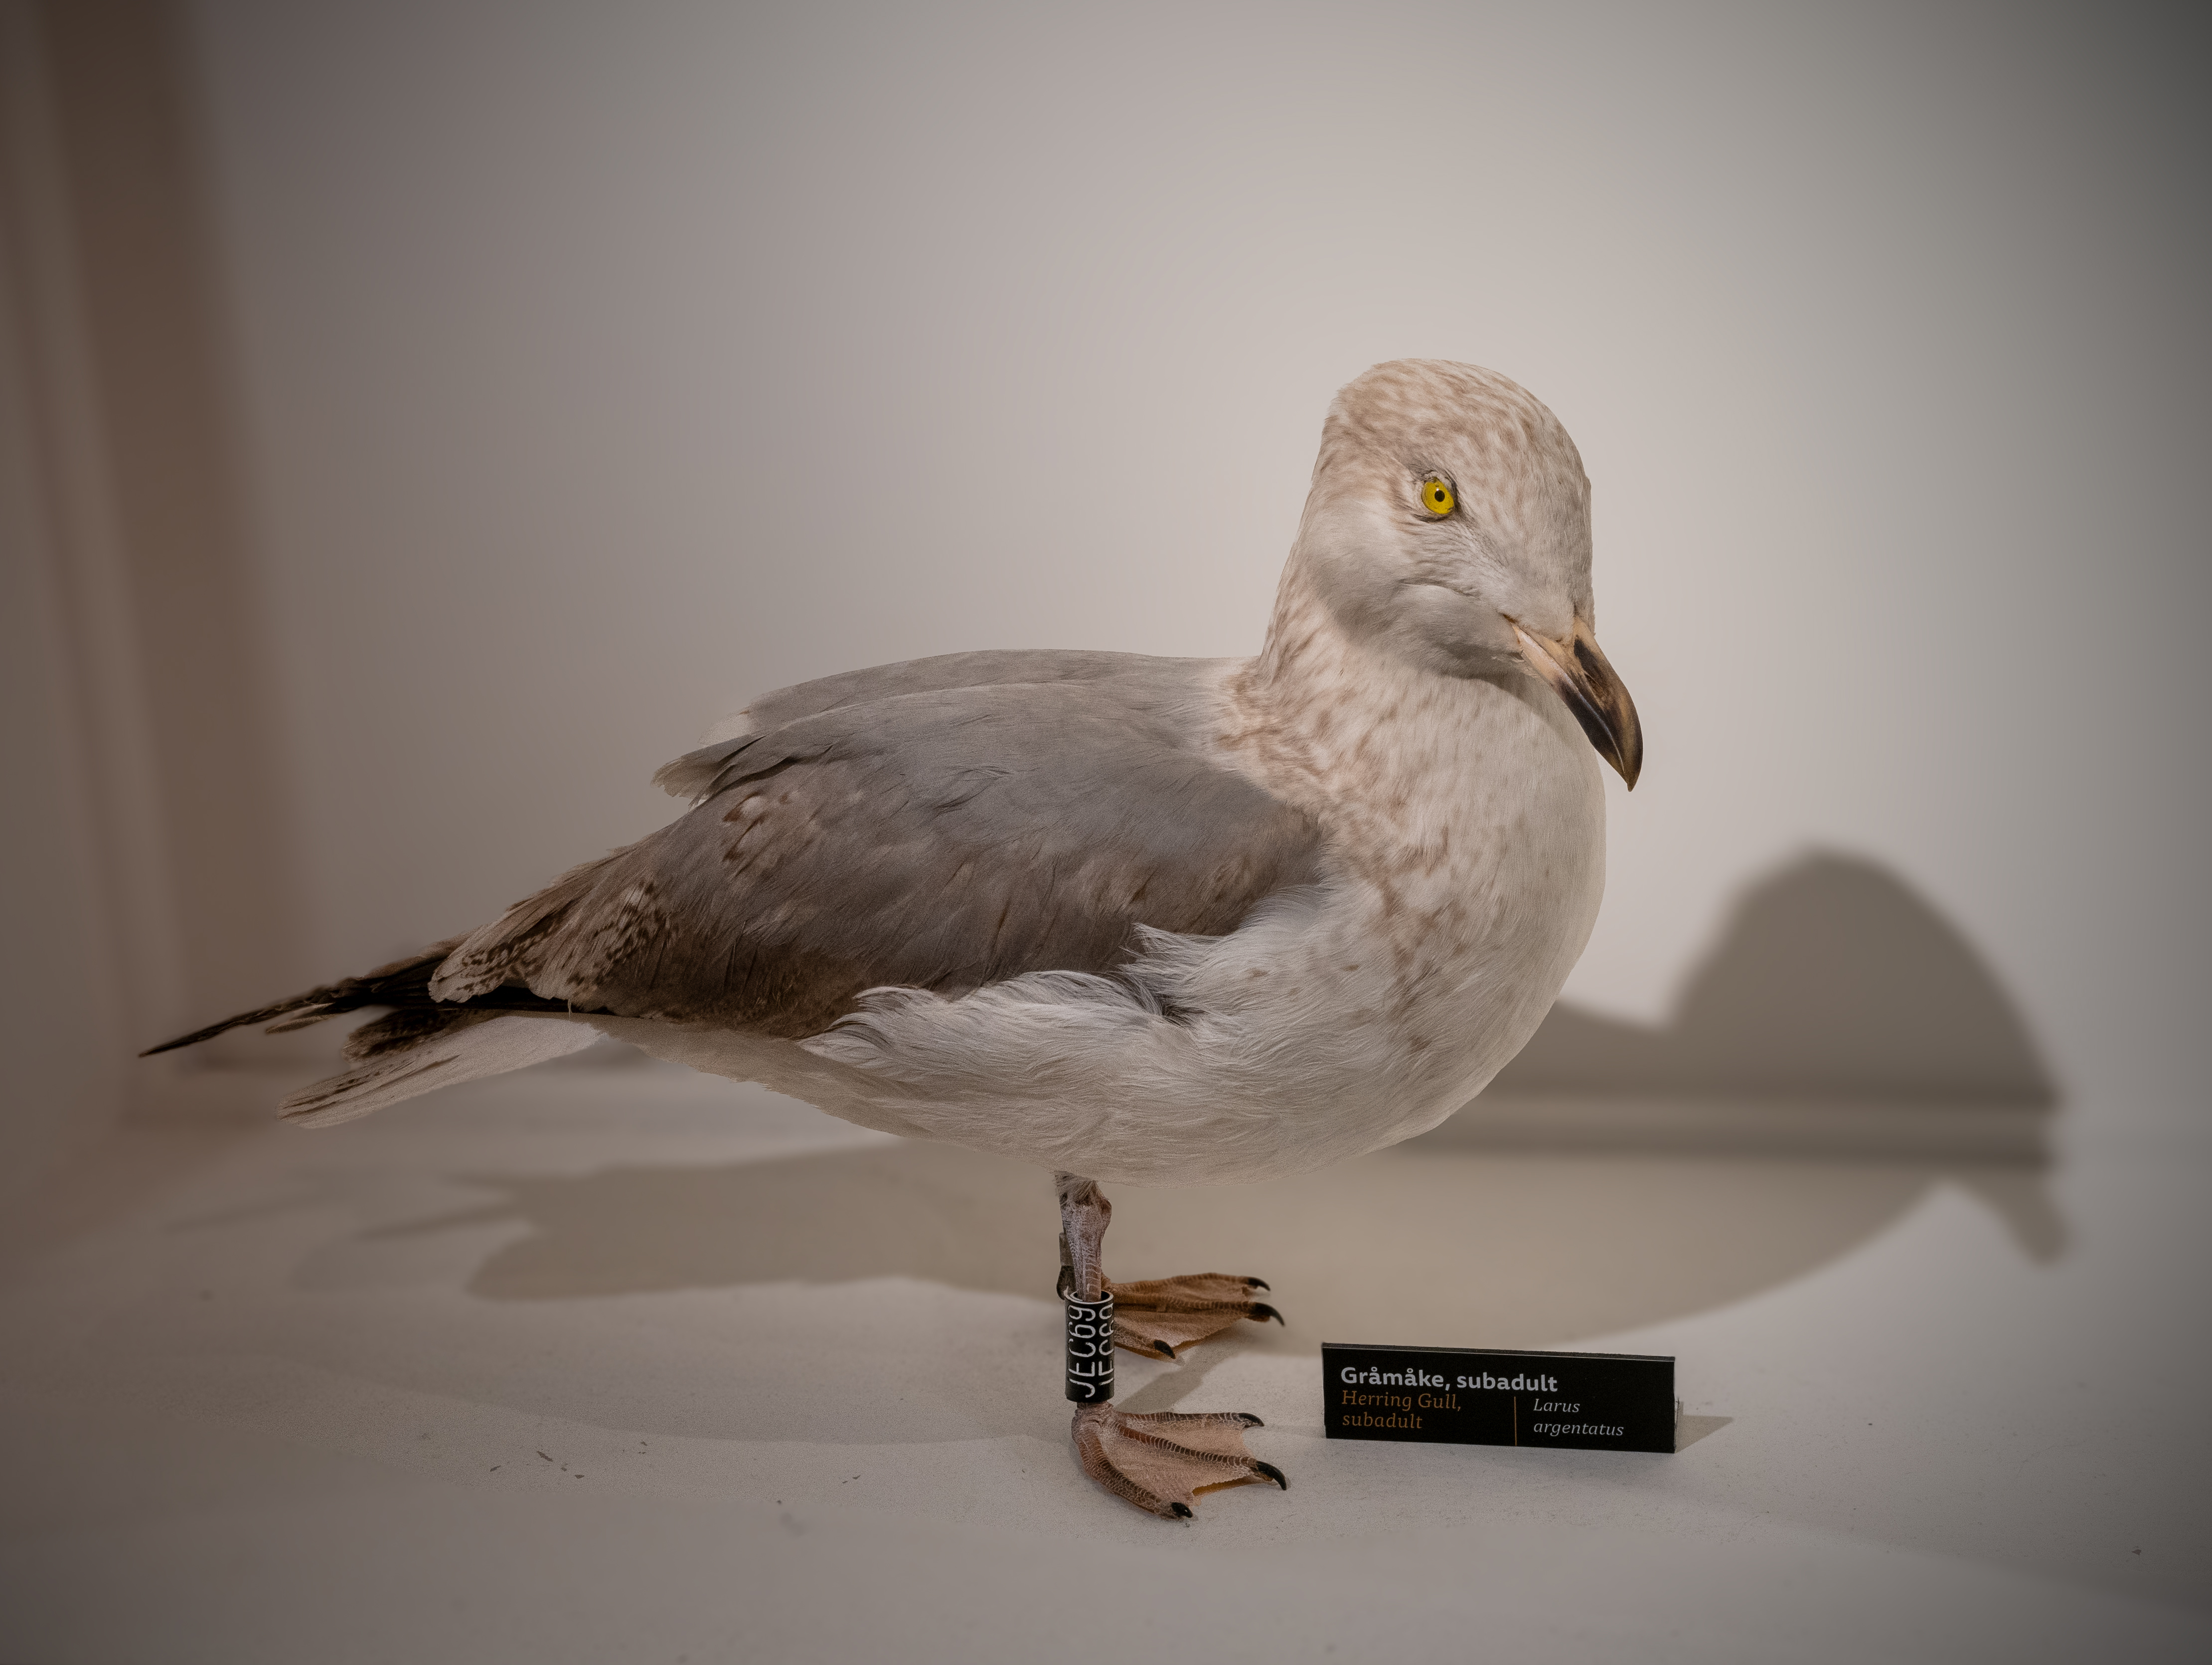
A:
(1692, 1429)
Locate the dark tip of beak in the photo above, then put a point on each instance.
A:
(1620, 743)
(1578, 670)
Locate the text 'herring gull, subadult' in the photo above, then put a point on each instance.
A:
(1172, 922)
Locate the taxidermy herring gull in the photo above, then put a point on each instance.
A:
(1168, 921)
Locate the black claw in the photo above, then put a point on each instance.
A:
(1262, 1312)
(1163, 1350)
(1273, 1473)
(1256, 1283)
(1249, 1420)
(1182, 1511)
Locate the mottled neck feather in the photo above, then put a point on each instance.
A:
(1377, 748)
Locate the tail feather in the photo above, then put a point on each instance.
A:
(480, 1044)
(408, 1026)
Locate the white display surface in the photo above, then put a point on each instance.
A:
(278, 1395)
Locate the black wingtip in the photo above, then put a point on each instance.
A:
(1273, 1473)
(196, 1036)
(304, 1009)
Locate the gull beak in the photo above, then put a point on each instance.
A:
(1578, 673)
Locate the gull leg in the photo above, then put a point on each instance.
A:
(1160, 1462)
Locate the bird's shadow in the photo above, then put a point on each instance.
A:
(1830, 978)
(1833, 983)
(1452, 1246)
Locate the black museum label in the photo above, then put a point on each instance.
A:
(1583, 1401)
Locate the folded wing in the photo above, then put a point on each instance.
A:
(943, 838)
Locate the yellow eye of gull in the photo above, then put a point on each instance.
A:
(1436, 497)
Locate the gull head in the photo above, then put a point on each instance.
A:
(1449, 527)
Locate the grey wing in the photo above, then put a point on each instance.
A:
(1134, 678)
(943, 839)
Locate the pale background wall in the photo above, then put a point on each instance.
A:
(590, 369)
(145, 832)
